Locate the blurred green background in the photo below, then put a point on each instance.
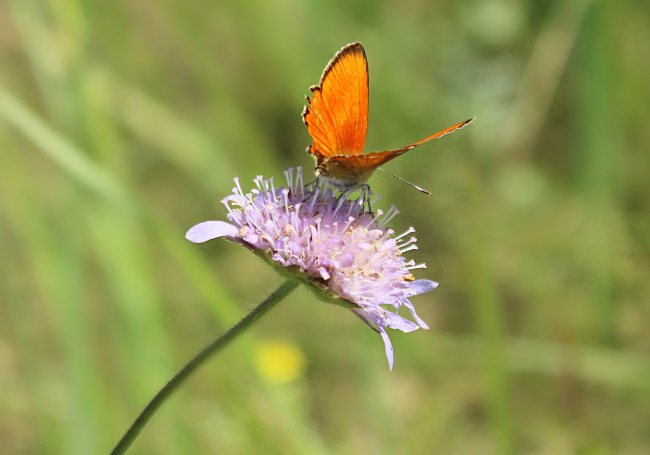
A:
(123, 123)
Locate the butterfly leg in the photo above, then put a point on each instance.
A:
(311, 182)
(364, 195)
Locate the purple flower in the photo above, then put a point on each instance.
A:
(345, 254)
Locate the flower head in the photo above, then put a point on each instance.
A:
(344, 253)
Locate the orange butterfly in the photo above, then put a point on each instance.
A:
(337, 120)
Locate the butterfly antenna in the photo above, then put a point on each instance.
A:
(406, 181)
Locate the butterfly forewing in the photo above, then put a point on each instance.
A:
(337, 114)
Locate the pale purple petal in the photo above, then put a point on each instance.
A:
(411, 309)
(370, 317)
(389, 348)
(209, 230)
(422, 286)
(395, 321)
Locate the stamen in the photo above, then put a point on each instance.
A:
(392, 212)
(402, 243)
(407, 232)
(300, 183)
(408, 248)
(289, 175)
(315, 197)
(340, 202)
(238, 187)
(348, 224)
(259, 182)
(285, 194)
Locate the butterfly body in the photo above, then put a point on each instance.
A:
(337, 120)
(343, 172)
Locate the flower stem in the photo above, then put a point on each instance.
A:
(139, 423)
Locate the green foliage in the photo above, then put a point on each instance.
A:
(123, 123)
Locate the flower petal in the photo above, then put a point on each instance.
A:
(397, 322)
(407, 303)
(422, 286)
(389, 348)
(209, 230)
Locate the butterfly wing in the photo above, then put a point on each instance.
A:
(337, 114)
(372, 161)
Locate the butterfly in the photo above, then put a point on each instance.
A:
(337, 120)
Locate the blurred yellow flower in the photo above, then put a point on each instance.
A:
(280, 362)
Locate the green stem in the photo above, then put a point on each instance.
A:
(139, 423)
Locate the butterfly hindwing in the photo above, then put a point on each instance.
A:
(372, 161)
